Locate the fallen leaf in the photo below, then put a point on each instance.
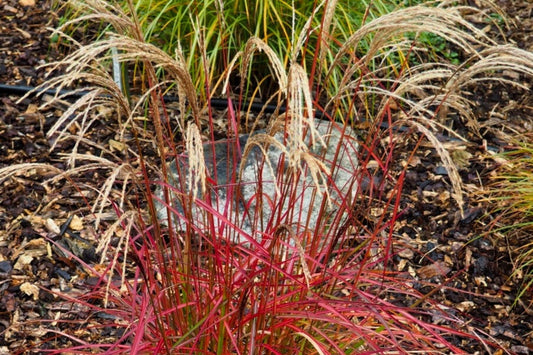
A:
(406, 253)
(402, 264)
(115, 145)
(52, 227)
(76, 223)
(32, 108)
(414, 161)
(461, 158)
(30, 289)
(22, 261)
(10, 9)
(29, 3)
(438, 268)
(466, 306)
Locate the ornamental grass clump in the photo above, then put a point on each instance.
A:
(181, 272)
(511, 192)
(213, 31)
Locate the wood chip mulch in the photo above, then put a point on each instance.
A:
(436, 243)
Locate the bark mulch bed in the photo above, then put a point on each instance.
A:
(477, 285)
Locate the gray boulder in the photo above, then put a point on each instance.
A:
(256, 184)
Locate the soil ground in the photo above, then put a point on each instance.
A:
(30, 210)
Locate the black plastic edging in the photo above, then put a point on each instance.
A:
(218, 103)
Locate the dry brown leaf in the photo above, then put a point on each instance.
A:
(76, 223)
(52, 226)
(30, 3)
(22, 261)
(466, 306)
(461, 158)
(117, 146)
(406, 253)
(30, 289)
(438, 268)
(32, 108)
